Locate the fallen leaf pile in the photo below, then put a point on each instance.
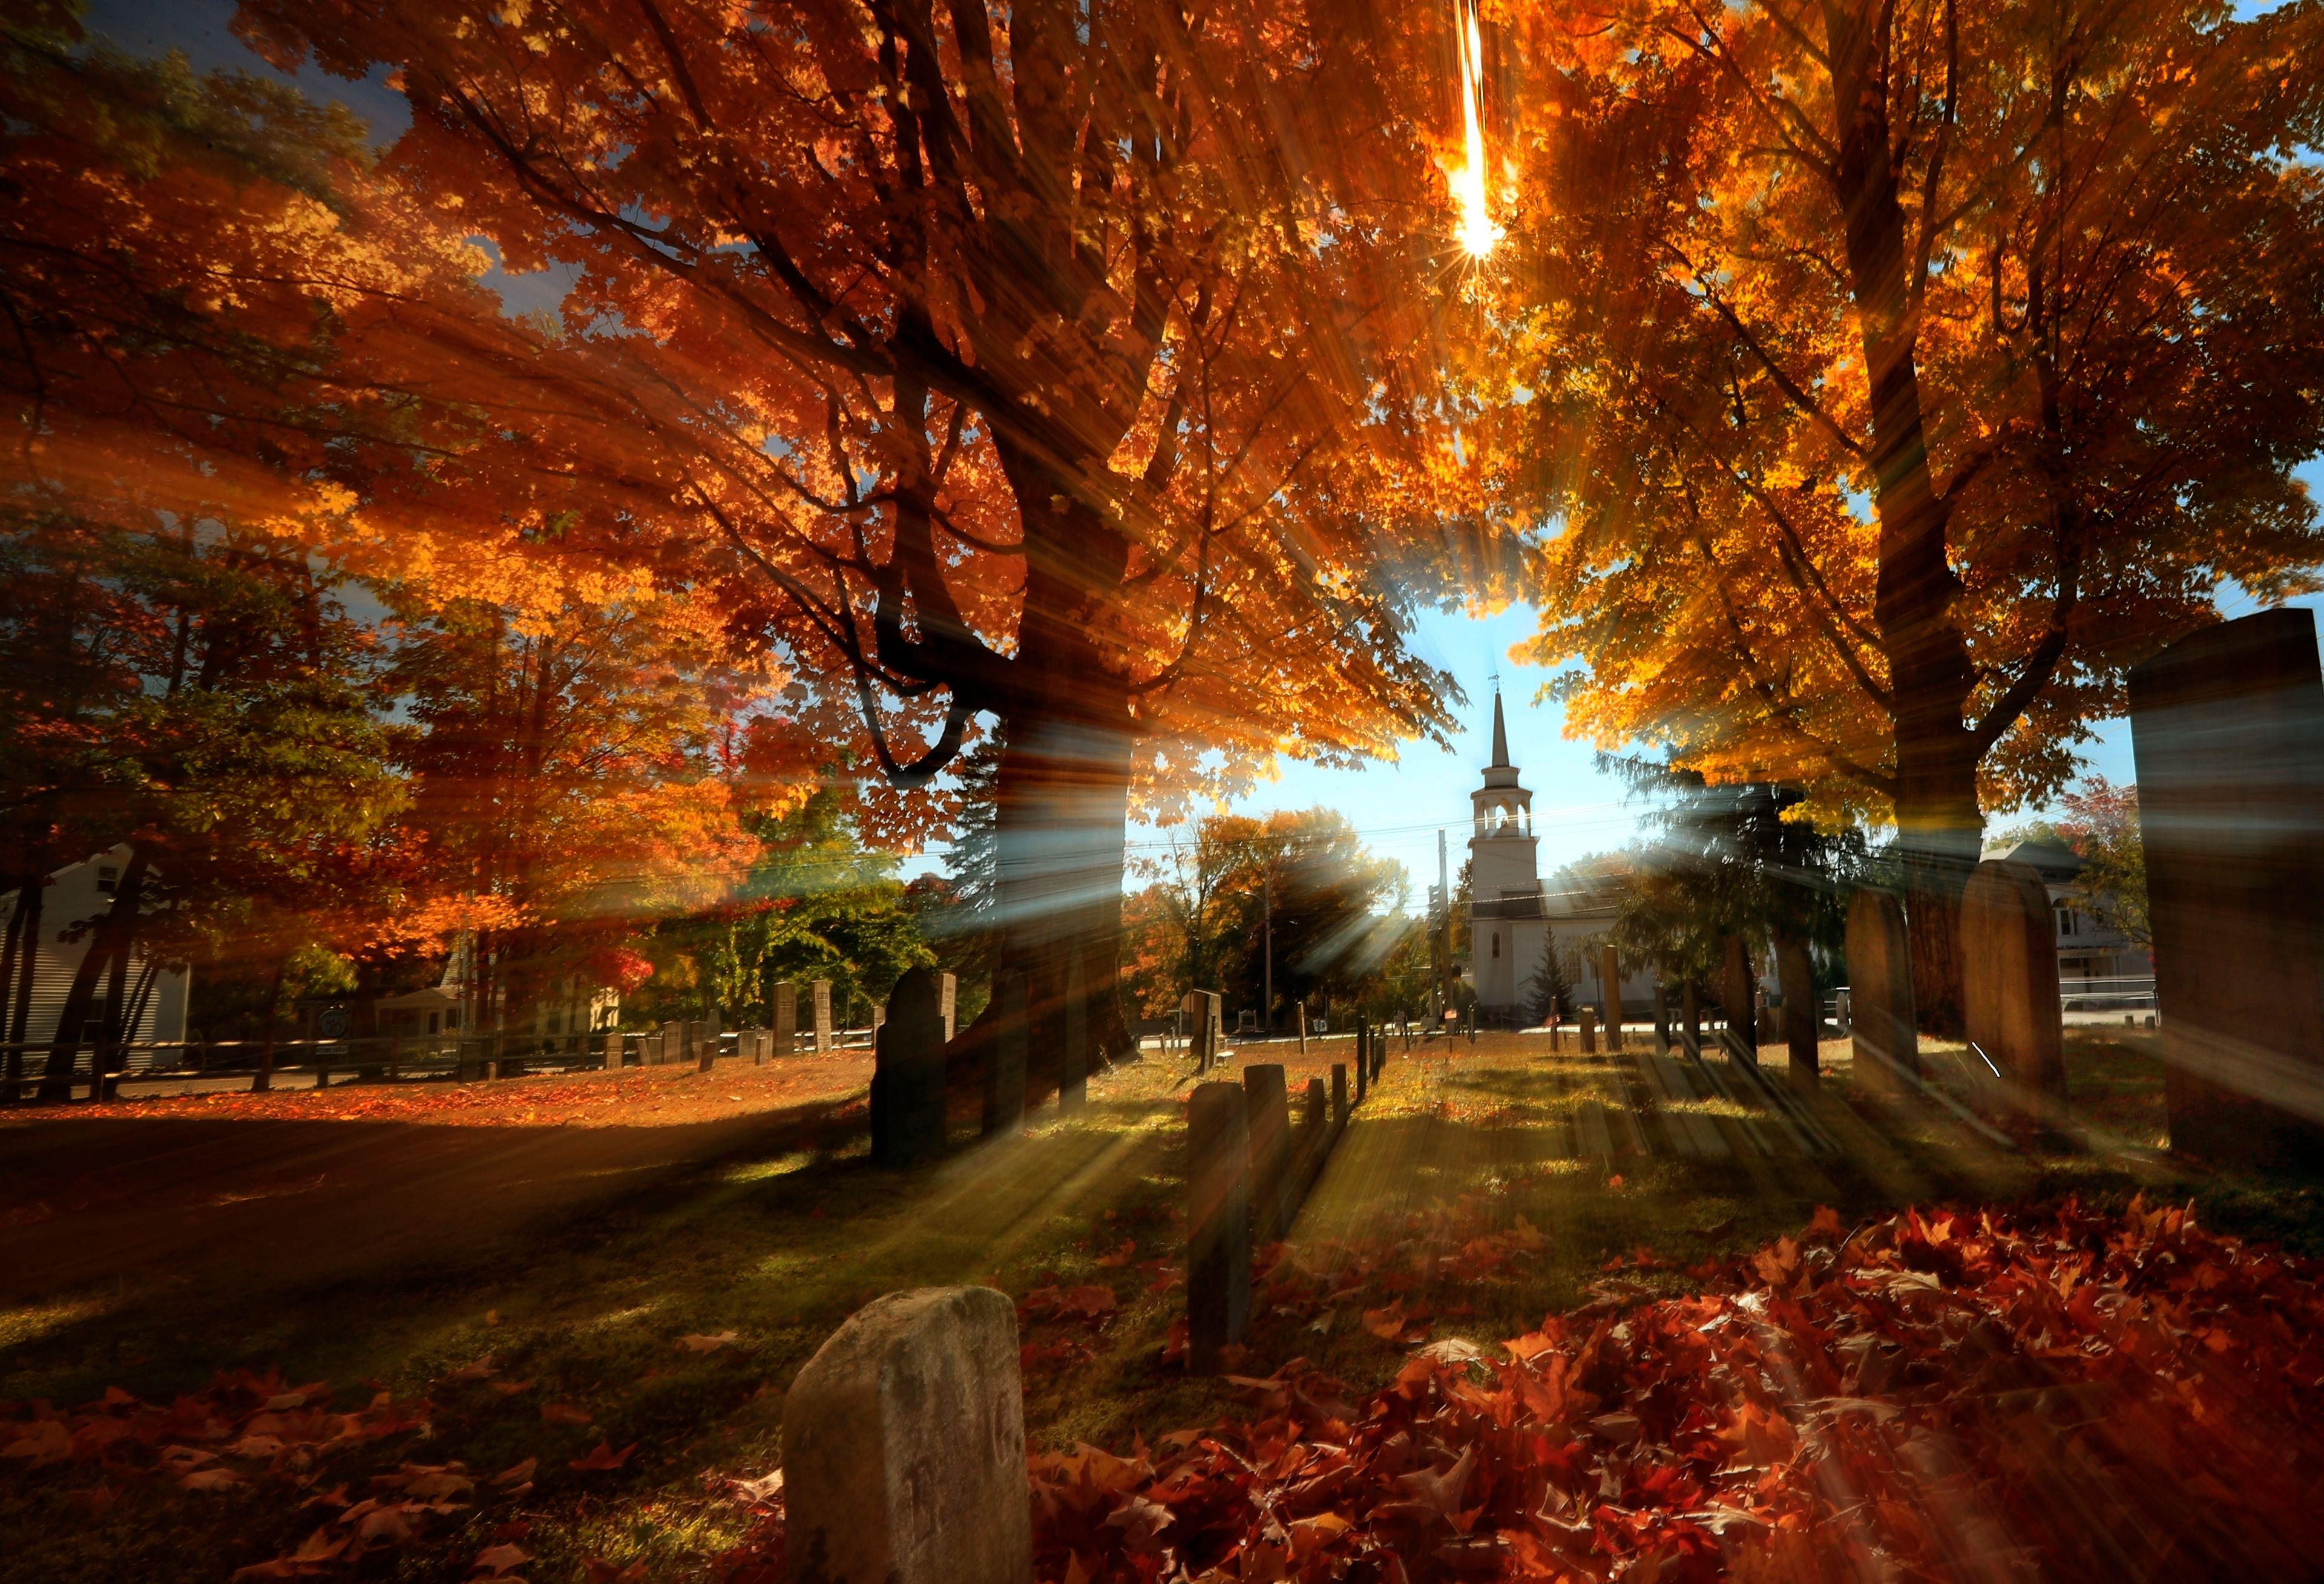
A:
(1938, 1397)
(657, 1096)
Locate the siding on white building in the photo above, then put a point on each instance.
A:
(75, 896)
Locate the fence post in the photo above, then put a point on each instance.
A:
(1005, 1056)
(1587, 1025)
(904, 1444)
(1269, 1104)
(1340, 1093)
(1218, 1223)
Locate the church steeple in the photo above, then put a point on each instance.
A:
(1500, 734)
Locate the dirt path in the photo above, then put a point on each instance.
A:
(293, 1188)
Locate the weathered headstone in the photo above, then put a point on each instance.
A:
(1340, 1093)
(711, 1038)
(1005, 1058)
(904, 1446)
(1886, 1041)
(2009, 987)
(1610, 995)
(1587, 1025)
(2228, 727)
(783, 1014)
(1073, 1079)
(1218, 1223)
(1269, 1105)
(907, 1075)
(1801, 1034)
(948, 1003)
(1739, 998)
(822, 998)
(673, 1042)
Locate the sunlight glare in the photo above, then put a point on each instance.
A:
(1478, 233)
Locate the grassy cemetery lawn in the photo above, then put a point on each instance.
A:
(546, 1333)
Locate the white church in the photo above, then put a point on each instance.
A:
(1513, 920)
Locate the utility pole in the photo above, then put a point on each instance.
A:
(1444, 952)
(1267, 967)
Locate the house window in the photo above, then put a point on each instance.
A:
(1497, 942)
(107, 877)
(2068, 923)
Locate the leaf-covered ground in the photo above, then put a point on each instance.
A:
(1484, 1353)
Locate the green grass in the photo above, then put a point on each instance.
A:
(780, 1242)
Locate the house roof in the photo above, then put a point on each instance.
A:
(2048, 859)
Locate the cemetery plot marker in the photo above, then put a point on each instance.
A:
(904, 1444)
(1887, 1044)
(907, 1083)
(2228, 727)
(2009, 988)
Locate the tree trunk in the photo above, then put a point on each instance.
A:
(1939, 826)
(110, 1054)
(114, 934)
(1062, 796)
(24, 946)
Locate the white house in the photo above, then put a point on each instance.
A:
(2090, 953)
(77, 895)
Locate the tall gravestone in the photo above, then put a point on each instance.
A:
(2228, 730)
(1610, 995)
(1072, 1078)
(712, 1035)
(1796, 974)
(904, 1446)
(1218, 1222)
(822, 994)
(783, 1013)
(1268, 1104)
(1006, 1057)
(2009, 988)
(1735, 984)
(907, 1075)
(948, 1003)
(1885, 1036)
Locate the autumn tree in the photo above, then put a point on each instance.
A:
(568, 783)
(1066, 367)
(1890, 376)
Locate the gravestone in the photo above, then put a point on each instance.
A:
(1737, 998)
(1885, 1039)
(1218, 1223)
(907, 1075)
(1587, 1025)
(904, 1445)
(821, 993)
(948, 1003)
(1340, 1093)
(2228, 728)
(1797, 975)
(673, 1043)
(1072, 1079)
(1268, 1104)
(711, 1038)
(1610, 995)
(1005, 1058)
(783, 1013)
(2009, 988)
